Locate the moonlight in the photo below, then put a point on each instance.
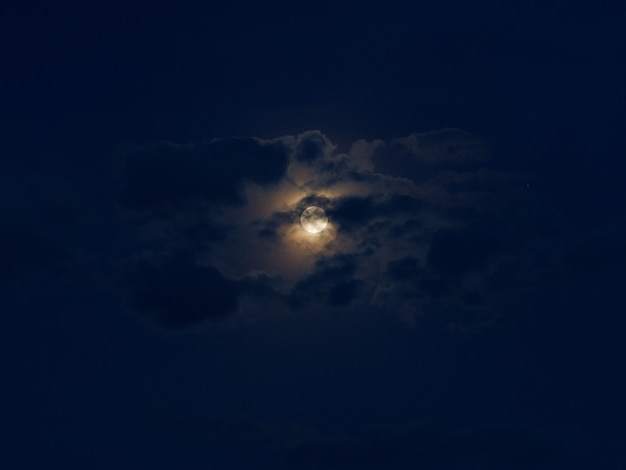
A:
(314, 219)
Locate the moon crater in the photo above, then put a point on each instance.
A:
(314, 219)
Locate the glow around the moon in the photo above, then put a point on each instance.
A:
(314, 219)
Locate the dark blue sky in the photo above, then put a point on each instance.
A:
(465, 310)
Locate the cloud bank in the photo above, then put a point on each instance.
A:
(423, 227)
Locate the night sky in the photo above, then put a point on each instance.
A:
(163, 307)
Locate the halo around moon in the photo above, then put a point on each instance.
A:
(314, 219)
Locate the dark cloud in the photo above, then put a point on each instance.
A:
(313, 200)
(405, 227)
(260, 286)
(201, 232)
(322, 166)
(419, 156)
(166, 176)
(343, 293)
(311, 146)
(403, 269)
(180, 293)
(271, 225)
(332, 282)
(349, 212)
(353, 212)
(401, 204)
(429, 236)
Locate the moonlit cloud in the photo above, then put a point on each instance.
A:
(416, 224)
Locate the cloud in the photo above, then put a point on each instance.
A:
(167, 176)
(403, 269)
(442, 148)
(312, 146)
(352, 212)
(420, 155)
(332, 281)
(419, 224)
(179, 293)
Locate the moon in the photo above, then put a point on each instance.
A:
(314, 219)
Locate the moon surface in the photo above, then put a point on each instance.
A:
(314, 219)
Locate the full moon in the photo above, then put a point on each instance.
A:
(314, 219)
